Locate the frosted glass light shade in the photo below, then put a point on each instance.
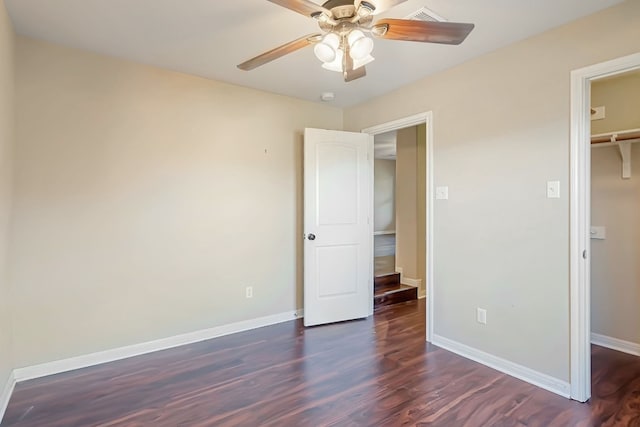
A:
(326, 50)
(336, 64)
(360, 46)
(357, 63)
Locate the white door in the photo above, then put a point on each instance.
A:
(338, 258)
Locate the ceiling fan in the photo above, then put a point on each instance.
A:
(343, 45)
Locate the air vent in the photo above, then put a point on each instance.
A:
(424, 14)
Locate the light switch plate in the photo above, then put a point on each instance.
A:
(442, 193)
(553, 190)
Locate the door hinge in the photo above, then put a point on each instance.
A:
(584, 254)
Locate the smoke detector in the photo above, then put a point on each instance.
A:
(327, 96)
(424, 14)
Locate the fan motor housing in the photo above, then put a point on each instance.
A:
(331, 4)
(342, 11)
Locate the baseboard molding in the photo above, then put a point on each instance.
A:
(7, 391)
(411, 282)
(615, 344)
(523, 373)
(79, 362)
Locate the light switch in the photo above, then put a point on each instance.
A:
(553, 190)
(442, 193)
(481, 316)
(598, 232)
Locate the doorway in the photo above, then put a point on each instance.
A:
(580, 222)
(615, 203)
(423, 124)
(399, 215)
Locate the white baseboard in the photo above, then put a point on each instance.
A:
(7, 391)
(615, 344)
(523, 373)
(411, 282)
(408, 280)
(78, 362)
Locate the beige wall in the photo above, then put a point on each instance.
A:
(406, 203)
(146, 201)
(621, 98)
(501, 131)
(6, 162)
(615, 204)
(384, 213)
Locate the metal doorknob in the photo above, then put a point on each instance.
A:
(311, 236)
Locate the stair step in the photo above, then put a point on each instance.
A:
(382, 282)
(394, 295)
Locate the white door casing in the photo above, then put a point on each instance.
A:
(425, 118)
(580, 221)
(338, 276)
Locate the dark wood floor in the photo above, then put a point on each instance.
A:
(376, 372)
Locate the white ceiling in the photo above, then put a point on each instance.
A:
(210, 37)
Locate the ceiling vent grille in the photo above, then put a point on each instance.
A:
(424, 14)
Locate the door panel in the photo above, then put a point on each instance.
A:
(338, 281)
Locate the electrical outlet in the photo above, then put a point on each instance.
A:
(249, 292)
(482, 316)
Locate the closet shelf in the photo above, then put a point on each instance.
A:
(623, 140)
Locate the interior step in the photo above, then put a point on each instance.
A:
(385, 281)
(393, 294)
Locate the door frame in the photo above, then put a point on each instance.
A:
(405, 122)
(580, 217)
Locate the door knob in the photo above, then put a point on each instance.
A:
(311, 236)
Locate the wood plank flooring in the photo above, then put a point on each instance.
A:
(375, 372)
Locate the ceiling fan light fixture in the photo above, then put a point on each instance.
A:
(359, 45)
(326, 50)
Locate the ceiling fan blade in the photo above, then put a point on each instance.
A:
(352, 75)
(422, 31)
(382, 5)
(279, 51)
(304, 7)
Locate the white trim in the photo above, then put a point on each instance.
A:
(418, 119)
(616, 344)
(580, 218)
(523, 373)
(6, 394)
(411, 282)
(73, 363)
(372, 240)
(430, 229)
